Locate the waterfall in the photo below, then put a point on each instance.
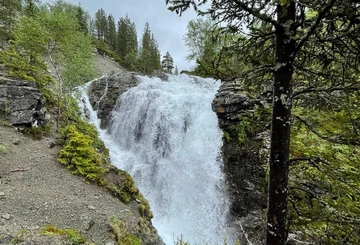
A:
(166, 136)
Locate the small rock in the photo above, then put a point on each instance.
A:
(6, 216)
(2, 195)
(91, 207)
(52, 145)
(17, 142)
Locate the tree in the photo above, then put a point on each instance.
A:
(110, 37)
(167, 63)
(290, 43)
(83, 19)
(149, 52)
(54, 33)
(176, 72)
(8, 10)
(100, 24)
(127, 44)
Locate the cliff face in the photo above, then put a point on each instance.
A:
(20, 101)
(104, 92)
(244, 168)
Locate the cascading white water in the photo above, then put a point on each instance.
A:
(166, 136)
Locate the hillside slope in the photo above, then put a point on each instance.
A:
(37, 191)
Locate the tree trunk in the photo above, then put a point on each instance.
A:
(276, 232)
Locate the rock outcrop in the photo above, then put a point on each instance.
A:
(229, 102)
(20, 101)
(244, 169)
(160, 74)
(104, 92)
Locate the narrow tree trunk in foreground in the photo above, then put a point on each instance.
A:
(276, 232)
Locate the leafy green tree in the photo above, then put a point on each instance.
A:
(54, 33)
(304, 55)
(8, 12)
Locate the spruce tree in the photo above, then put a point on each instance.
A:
(110, 37)
(149, 52)
(82, 19)
(100, 23)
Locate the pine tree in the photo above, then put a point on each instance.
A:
(176, 72)
(110, 37)
(149, 53)
(167, 63)
(82, 18)
(100, 23)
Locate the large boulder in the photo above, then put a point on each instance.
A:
(104, 92)
(20, 101)
(229, 102)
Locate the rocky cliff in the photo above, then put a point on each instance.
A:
(20, 101)
(104, 92)
(244, 168)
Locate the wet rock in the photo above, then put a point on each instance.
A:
(104, 92)
(229, 102)
(244, 169)
(160, 74)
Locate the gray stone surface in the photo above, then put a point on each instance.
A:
(229, 102)
(244, 169)
(104, 92)
(20, 101)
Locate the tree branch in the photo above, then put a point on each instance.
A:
(313, 27)
(256, 13)
(337, 140)
(350, 87)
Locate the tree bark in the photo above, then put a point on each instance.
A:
(276, 232)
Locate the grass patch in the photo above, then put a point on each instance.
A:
(123, 237)
(3, 148)
(72, 235)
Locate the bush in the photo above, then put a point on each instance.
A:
(79, 155)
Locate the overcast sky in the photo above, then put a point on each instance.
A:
(167, 26)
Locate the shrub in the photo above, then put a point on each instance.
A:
(79, 155)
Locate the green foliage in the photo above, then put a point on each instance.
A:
(79, 155)
(74, 237)
(250, 126)
(3, 148)
(149, 59)
(324, 189)
(104, 49)
(181, 241)
(37, 133)
(27, 68)
(8, 10)
(119, 227)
